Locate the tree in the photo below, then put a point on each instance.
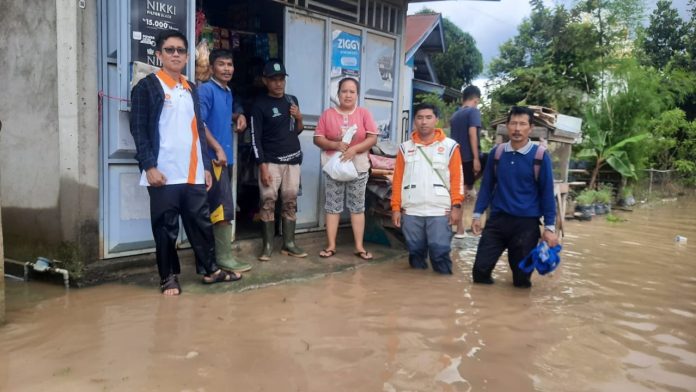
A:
(584, 62)
(599, 147)
(690, 31)
(664, 37)
(686, 62)
(561, 57)
(553, 61)
(617, 121)
(462, 61)
(674, 144)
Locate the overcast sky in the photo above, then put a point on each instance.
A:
(493, 22)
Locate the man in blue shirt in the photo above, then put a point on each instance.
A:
(518, 195)
(217, 105)
(466, 130)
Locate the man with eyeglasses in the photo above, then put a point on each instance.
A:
(172, 154)
(517, 186)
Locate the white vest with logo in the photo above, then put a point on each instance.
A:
(423, 192)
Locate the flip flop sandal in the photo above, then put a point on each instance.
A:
(221, 277)
(365, 255)
(330, 252)
(171, 283)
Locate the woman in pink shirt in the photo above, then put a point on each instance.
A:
(333, 123)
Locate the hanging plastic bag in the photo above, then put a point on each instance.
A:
(203, 71)
(339, 170)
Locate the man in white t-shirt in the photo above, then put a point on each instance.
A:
(172, 155)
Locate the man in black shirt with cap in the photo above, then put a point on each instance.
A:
(276, 122)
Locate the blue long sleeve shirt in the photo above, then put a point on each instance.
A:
(216, 112)
(512, 189)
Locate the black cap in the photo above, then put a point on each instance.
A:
(273, 68)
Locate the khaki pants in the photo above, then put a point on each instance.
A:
(285, 178)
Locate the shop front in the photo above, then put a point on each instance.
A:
(319, 41)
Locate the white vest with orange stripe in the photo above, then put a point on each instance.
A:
(424, 192)
(180, 158)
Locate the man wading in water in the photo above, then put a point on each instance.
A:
(428, 191)
(518, 187)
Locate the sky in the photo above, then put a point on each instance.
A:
(493, 22)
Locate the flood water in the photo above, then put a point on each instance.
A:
(618, 315)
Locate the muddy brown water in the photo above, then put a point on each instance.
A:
(618, 315)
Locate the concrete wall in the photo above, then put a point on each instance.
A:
(2, 266)
(49, 148)
(28, 110)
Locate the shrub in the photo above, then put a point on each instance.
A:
(585, 198)
(604, 194)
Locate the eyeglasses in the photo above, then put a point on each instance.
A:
(170, 51)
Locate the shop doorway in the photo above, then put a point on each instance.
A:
(306, 36)
(256, 31)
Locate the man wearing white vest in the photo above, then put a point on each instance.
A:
(427, 191)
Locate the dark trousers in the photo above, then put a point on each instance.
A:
(468, 168)
(428, 235)
(190, 202)
(516, 234)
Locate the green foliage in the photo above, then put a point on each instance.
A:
(462, 61)
(664, 37)
(596, 61)
(618, 121)
(604, 194)
(675, 145)
(491, 110)
(487, 142)
(539, 86)
(585, 198)
(560, 57)
(554, 61)
(666, 128)
(611, 218)
(690, 38)
(446, 109)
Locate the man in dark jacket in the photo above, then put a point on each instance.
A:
(172, 155)
(276, 122)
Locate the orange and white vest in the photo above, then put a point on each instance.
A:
(425, 188)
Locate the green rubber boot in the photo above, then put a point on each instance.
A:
(223, 250)
(268, 232)
(289, 247)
